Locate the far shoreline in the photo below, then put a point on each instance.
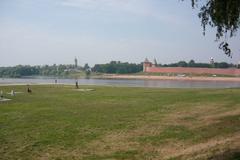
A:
(187, 78)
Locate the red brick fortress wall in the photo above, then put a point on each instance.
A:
(229, 71)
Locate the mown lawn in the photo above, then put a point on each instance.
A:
(117, 123)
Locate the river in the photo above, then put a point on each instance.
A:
(124, 82)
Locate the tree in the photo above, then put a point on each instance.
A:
(88, 73)
(118, 67)
(222, 15)
(182, 64)
(191, 63)
(86, 67)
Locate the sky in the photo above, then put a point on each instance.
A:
(39, 32)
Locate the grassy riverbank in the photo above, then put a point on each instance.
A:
(59, 122)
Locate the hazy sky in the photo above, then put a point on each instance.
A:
(98, 31)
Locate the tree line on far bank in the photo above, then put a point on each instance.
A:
(27, 70)
(192, 63)
(114, 67)
(123, 68)
(118, 67)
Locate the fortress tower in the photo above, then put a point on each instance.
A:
(146, 64)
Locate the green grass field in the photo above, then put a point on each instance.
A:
(118, 123)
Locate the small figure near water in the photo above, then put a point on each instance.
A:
(55, 81)
(1, 94)
(28, 89)
(76, 84)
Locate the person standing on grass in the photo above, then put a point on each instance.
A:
(28, 89)
(1, 94)
(76, 84)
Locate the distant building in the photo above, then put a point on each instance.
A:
(211, 60)
(146, 64)
(75, 63)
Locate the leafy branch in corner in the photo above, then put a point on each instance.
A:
(222, 15)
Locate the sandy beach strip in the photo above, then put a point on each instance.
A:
(150, 77)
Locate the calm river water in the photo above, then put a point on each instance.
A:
(127, 83)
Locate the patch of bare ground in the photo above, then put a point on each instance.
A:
(111, 143)
(207, 149)
(60, 153)
(105, 146)
(182, 150)
(200, 115)
(220, 115)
